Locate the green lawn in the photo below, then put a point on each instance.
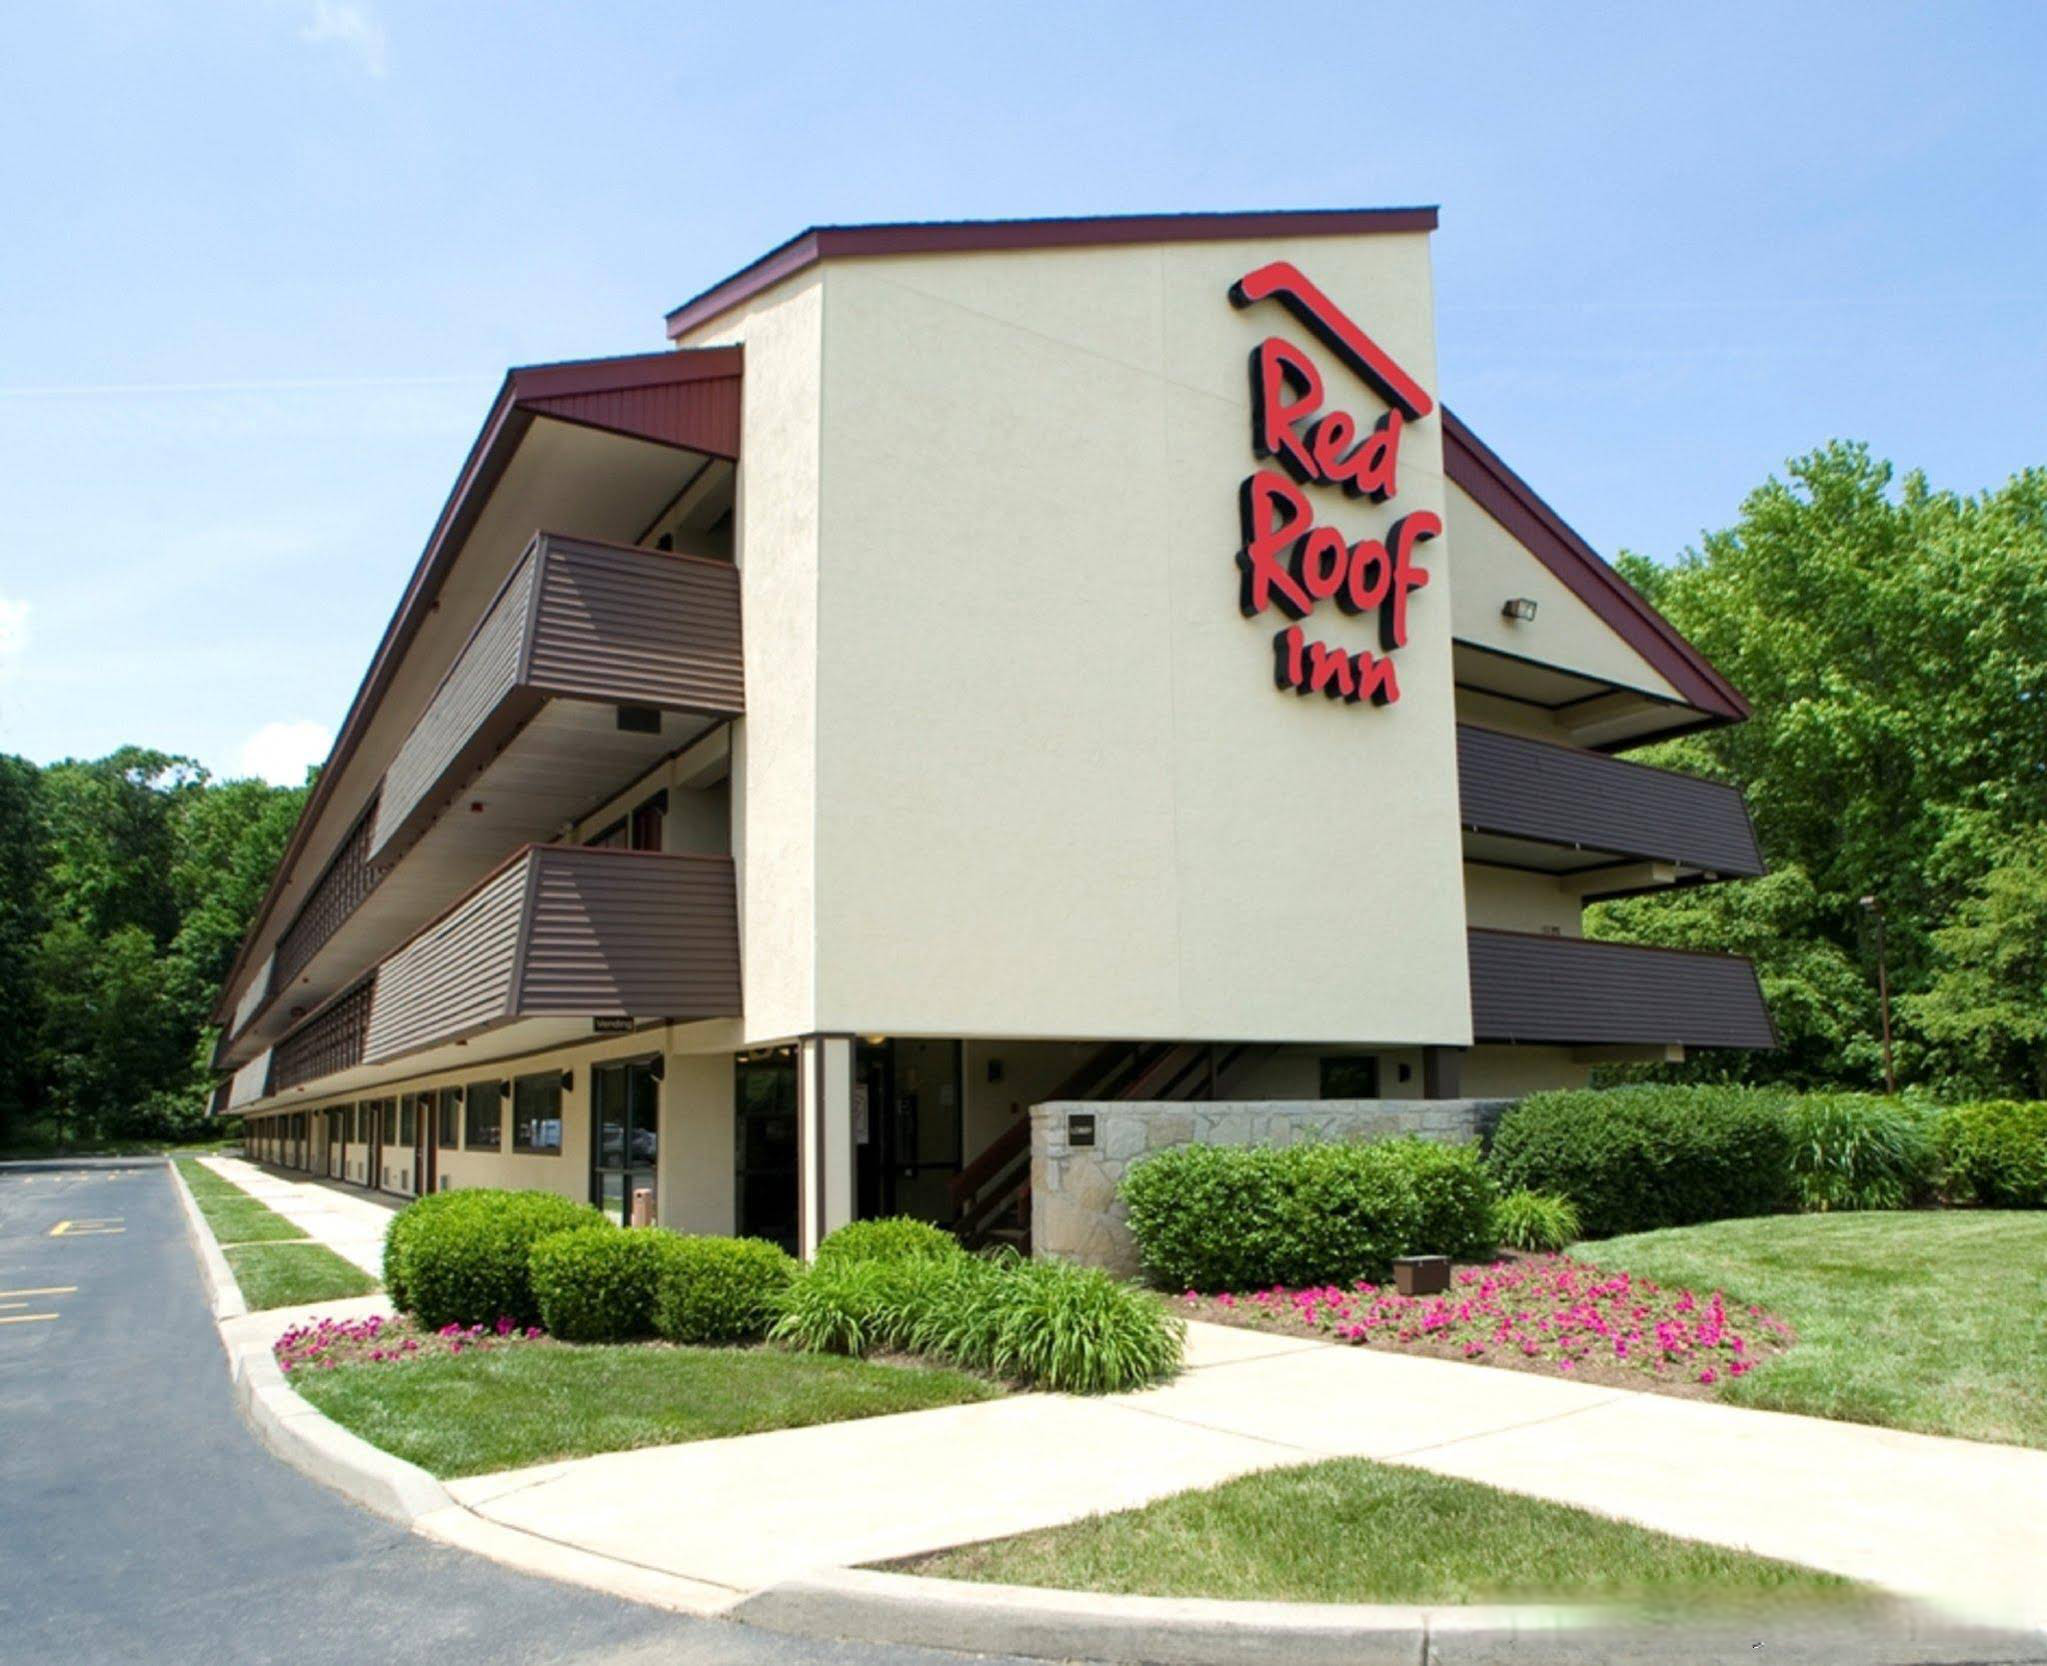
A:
(294, 1275)
(1353, 1531)
(529, 1404)
(1935, 1321)
(272, 1260)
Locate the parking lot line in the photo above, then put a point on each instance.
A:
(23, 1318)
(86, 1229)
(43, 1290)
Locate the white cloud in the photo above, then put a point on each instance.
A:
(354, 28)
(282, 752)
(13, 634)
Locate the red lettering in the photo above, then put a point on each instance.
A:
(1406, 535)
(1369, 578)
(1277, 367)
(1329, 673)
(1287, 669)
(1373, 470)
(1321, 563)
(1377, 681)
(1274, 516)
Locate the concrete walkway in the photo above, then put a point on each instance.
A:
(344, 1218)
(1958, 1523)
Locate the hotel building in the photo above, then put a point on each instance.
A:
(976, 665)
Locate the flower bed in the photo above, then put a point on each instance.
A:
(1544, 1313)
(385, 1339)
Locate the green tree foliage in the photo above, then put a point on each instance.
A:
(126, 883)
(1893, 643)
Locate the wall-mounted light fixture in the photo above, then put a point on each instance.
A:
(1518, 608)
(568, 1081)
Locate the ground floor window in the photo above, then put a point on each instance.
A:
(448, 1119)
(625, 1142)
(1350, 1076)
(765, 1144)
(537, 1115)
(483, 1106)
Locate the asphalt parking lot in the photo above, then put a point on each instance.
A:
(140, 1520)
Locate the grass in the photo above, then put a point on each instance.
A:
(1933, 1321)
(1354, 1531)
(531, 1404)
(294, 1275)
(273, 1261)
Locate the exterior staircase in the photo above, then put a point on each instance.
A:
(991, 1196)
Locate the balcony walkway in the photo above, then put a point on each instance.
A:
(1953, 1522)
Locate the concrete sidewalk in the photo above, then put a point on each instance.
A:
(346, 1220)
(1957, 1523)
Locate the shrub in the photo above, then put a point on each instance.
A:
(719, 1289)
(1046, 1323)
(1995, 1153)
(1541, 1222)
(1856, 1151)
(893, 1238)
(465, 1260)
(398, 1237)
(1638, 1158)
(1210, 1217)
(596, 1283)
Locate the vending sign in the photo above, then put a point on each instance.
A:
(1289, 560)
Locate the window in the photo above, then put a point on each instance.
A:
(483, 1116)
(1351, 1076)
(448, 1119)
(408, 1112)
(537, 1115)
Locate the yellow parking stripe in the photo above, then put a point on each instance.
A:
(23, 1318)
(44, 1290)
(86, 1229)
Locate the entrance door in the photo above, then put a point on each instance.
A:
(337, 1136)
(906, 1127)
(625, 1134)
(765, 1144)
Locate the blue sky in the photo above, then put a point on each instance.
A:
(264, 261)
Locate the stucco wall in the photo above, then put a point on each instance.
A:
(1075, 1214)
(1058, 794)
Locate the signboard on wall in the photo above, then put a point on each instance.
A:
(1308, 445)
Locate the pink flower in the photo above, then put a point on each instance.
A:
(1709, 1376)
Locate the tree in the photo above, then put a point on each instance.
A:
(1983, 1014)
(1893, 644)
(24, 858)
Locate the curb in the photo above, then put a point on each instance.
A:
(860, 1605)
(223, 1294)
(315, 1445)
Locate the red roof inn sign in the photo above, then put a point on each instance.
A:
(1287, 560)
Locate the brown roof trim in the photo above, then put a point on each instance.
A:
(817, 243)
(1510, 500)
(524, 389)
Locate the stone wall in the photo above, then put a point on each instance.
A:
(1075, 1213)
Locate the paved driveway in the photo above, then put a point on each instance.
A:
(140, 1521)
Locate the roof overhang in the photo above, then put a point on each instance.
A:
(660, 420)
(1599, 713)
(819, 243)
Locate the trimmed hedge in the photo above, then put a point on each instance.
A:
(719, 1289)
(1050, 1324)
(1223, 1217)
(1637, 1158)
(1995, 1153)
(596, 1283)
(892, 1238)
(463, 1258)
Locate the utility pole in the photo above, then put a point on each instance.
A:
(1883, 989)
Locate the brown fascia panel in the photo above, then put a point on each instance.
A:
(619, 394)
(1530, 988)
(1509, 499)
(818, 243)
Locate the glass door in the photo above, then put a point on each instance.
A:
(765, 1144)
(625, 1134)
(907, 1113)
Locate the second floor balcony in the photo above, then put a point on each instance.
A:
(593, 663)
